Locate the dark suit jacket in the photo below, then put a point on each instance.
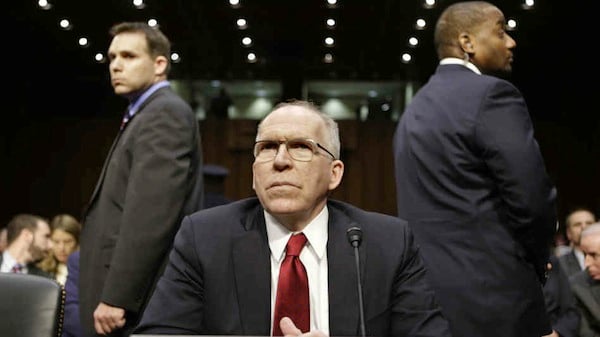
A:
(471, 183)
(587, 293)
(560, 301)
(218, 280)
(72, 324)
(151, 178)
(569, 263)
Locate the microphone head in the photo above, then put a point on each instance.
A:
(354, 235)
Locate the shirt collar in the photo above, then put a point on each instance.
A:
(315, 231)
(135, 104)
(455, 60)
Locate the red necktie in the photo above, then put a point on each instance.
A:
(292, 289)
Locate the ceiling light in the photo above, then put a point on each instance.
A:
(139, 4)
(251, 57)
(511, 24)
(429, 3)
(99, 57)
(413, 41)
(330, 23)
(328, 58)
(241, 23)
(406, 58)
(528, 4)
(329, 41)
(43, 4)
(83, 42)
(246, 41)
(152, 23)
(65, 24)
(420, 24)
(234, 3)
(175, 58)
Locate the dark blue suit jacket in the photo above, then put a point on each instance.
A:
(472, 184)
(72, 325)
(218, 280)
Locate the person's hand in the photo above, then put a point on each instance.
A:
(108, 318)
(289, 329)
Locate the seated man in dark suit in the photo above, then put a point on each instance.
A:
(223, 275)
(560, 302)
(586, 284)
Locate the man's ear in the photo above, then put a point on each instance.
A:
(466, 43)
(160, 65)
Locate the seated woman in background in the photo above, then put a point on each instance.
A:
(65, 240)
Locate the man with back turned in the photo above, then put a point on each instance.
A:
(472, 184)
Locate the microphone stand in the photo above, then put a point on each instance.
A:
(355, 238)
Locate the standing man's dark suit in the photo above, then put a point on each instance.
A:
(472, 184)
(218, 280)
(151, 179)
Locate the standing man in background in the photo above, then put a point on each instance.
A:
(472, 184)
(151, 178)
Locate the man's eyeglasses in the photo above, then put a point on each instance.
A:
(299, 149)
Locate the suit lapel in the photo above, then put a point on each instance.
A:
(252, 268)
(104, 168)
(343, 289)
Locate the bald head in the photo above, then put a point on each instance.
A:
(454, 20)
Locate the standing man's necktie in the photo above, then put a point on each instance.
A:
(292, 289)
(17, 268)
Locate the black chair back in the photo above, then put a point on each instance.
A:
(30, 306)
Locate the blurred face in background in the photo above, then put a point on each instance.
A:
(63, 244)
(41, 243)
(590, 245)
(576, 222)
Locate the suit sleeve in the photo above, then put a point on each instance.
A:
(159, 180)
(416, 311)
(505, 134)
(176, 307)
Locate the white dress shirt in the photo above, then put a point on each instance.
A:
(314, 258)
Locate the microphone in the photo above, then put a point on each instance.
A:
(354, 235)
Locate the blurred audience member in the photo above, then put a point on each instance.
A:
(72, 325)
(214, 185)
(560, 302)
(586, 283)
(28, 238)
(65, 240)
(3, 242)
(576, 221)
(561, 244)
(219, 105)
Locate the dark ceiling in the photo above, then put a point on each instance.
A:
(287, 37)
